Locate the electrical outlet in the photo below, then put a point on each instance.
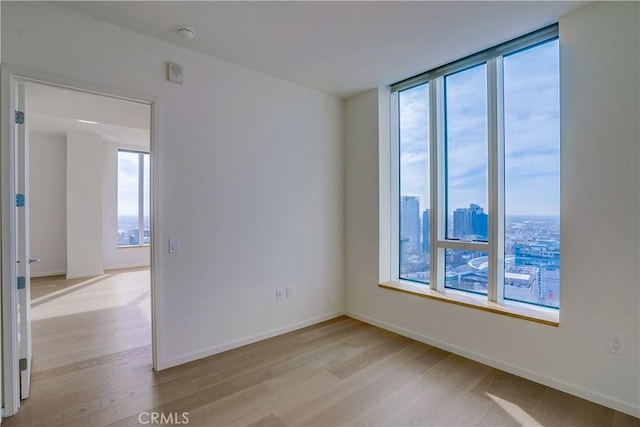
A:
(279, 294)
(616, 343)
(289, 293)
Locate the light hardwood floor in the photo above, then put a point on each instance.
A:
(92, 366)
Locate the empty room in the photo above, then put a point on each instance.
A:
(338, 214)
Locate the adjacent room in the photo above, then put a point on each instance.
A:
(321, 213)
(89, 223)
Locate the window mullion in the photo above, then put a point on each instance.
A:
(394, 170)
(495, 99)
(437, 212)
(463, 245)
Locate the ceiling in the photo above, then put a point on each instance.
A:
(340, 48)
(53, 110)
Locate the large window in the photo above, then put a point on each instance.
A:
(478, 149)
(133, 198)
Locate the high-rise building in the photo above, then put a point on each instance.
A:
(410, 224)
(426, 220)
(461, 223)
(471, 221)
(479, 222)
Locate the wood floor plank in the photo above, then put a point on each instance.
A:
(348, 399)
(588, 414)
(92, 366)
(354, 365)
(184, 395)
(128, 373)
(422, 399)
(519, 391)
(465, 412)
(268, 421)
(287, 387)
(551, 408)
(249, 405)
(433, 356)
(315, 400)
(624, 420)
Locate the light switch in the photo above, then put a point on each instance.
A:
(174, 246)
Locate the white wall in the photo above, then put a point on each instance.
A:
(114, 257)
(84, 204)
(250, 179)
(600, 228)
(48, 198)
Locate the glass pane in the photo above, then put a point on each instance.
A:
(466, 270)
(145, 200)
(532, 175)
(466, 154)
(128, 205)
(414, 183)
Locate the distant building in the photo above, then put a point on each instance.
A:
(410, 225)
(522, 283)
(461, 223)
(470, 222)
(133, 238)
(479, 222)
(541, 253)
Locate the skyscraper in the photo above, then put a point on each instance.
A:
(410, 224)
(479, 222)
(471, 221)
(426, 220)
(461, 223)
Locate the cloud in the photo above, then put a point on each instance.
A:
(531, 126)
(127, 183)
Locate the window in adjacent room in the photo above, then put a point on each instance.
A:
(133, 198)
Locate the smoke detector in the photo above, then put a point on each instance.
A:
(186, 33)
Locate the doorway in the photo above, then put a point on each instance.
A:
(81, 211)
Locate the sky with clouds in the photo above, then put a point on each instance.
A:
(532, 135)
(128, 183)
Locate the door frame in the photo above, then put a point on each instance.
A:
(9, 76)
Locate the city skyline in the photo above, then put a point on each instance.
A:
(532, 255)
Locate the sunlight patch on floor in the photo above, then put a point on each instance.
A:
(96, 293)
(514, 411)
(53, 295)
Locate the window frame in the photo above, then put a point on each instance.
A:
(141, 193)
(439, 243)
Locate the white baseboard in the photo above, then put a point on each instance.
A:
(83, 275)
(165, 364)
(49, 273)
(593, 396)
(126, 266)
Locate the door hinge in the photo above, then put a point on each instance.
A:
(23, 364)
(20, 117)
(22, 282)
(20, 200)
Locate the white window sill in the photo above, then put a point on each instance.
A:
(133, 246)
(543, 315)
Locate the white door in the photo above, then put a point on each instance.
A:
(22, 246)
